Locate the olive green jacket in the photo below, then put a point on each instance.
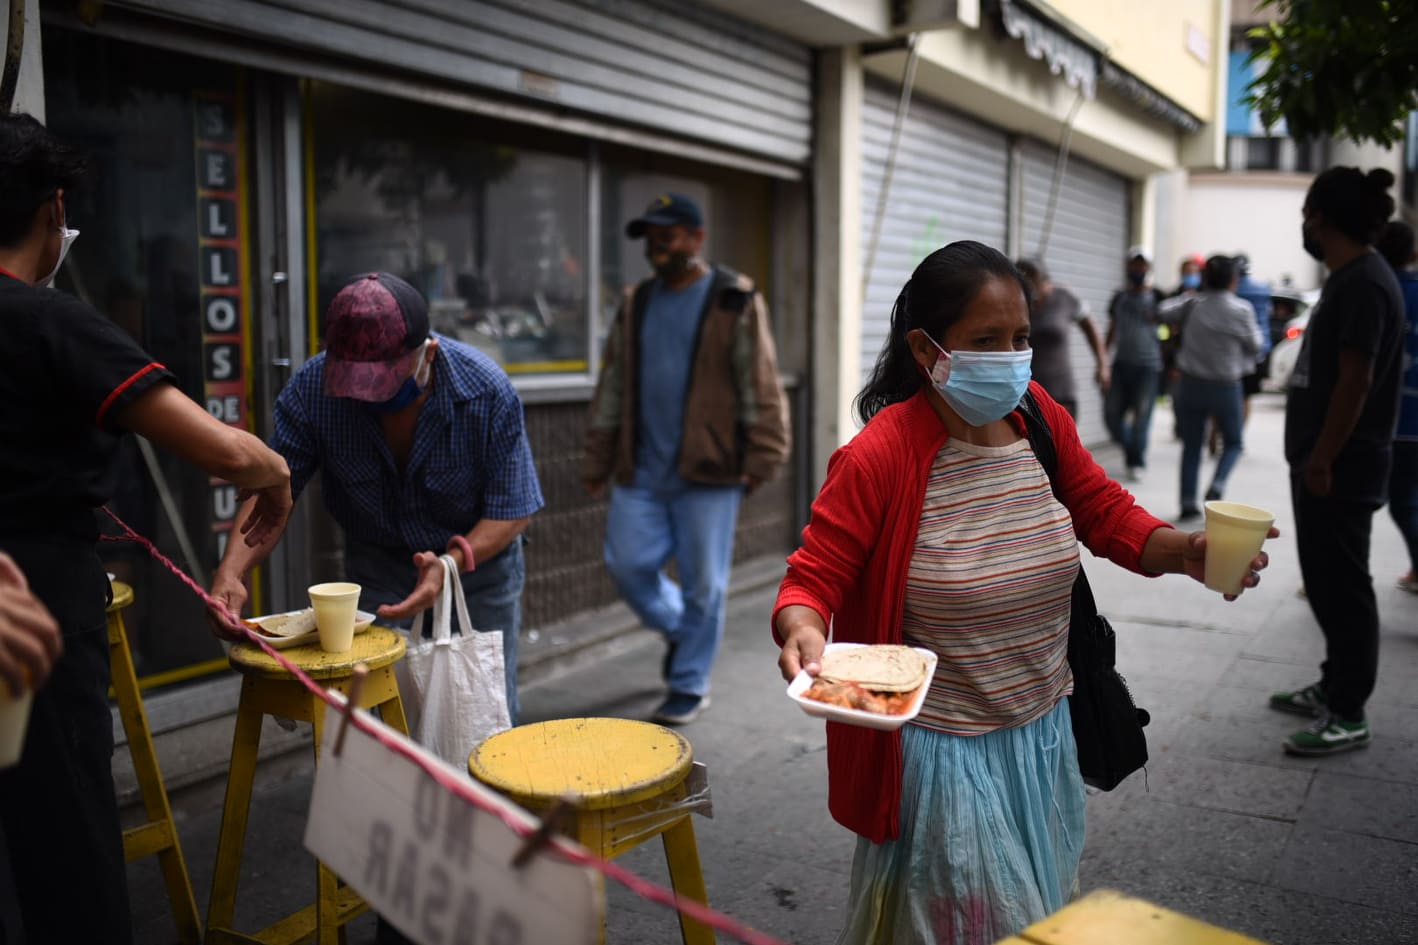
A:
(735, 420)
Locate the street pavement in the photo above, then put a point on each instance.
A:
(1222, 826)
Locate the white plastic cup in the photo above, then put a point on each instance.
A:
(14, 720)
(335, 605)
(1234, 535)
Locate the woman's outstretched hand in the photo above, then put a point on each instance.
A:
(804, 637)
(1194, 560)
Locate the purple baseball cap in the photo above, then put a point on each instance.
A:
(374, 329)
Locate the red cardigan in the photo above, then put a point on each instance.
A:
(851, 567)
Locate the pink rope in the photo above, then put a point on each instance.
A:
(576, 854)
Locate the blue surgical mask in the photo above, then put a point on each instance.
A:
(407, 393)
(981, 386)
(1191, 280)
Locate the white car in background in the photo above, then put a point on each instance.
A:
(1285, 350)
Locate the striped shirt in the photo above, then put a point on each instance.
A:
(989, 589)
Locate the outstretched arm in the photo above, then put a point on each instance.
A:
(172, 420)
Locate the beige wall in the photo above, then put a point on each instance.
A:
(1255, 213)
(1149, 38)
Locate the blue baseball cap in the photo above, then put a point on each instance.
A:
(666, 210)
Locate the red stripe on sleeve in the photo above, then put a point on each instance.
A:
(118, 391)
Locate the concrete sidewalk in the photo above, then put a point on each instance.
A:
(1223, 826)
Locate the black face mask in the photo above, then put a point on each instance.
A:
(1312, 245)
(673, 266)
(1137, 278)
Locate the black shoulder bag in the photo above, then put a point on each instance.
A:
(1107, 725)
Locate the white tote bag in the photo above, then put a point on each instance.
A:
(453, 686)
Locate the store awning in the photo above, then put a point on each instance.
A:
(1073, 61)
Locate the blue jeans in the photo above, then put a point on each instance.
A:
(1133, 392)
(695, 526)
(493, 592)
(1196, 400)
(1403, 495)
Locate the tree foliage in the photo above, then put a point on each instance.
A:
(1337, 68)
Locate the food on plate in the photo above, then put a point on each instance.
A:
(850, 695)
(882, 679)
(284, 625)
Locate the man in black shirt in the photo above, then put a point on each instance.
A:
(1339, 423)
(71, 383)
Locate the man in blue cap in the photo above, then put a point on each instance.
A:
(688, 416)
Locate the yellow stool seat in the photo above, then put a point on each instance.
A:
(158, 836)
(627, 781)
(376, 648)
(268, 689)
(1106, 915)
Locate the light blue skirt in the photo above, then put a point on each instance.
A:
(991, 835)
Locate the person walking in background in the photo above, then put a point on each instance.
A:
(1137, 362)
(1188, 285)
(1257, 292)
(1339, 423)
(1396, 244)
(1053, 312)
(688, 416)
(1219, 346)
(970, 818)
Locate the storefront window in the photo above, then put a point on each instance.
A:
(489, 221)
(162, 253)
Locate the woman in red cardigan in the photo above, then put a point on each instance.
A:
(937, 527)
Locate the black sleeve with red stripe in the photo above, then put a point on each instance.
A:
(100, 365)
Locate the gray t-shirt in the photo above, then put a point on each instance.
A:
(1049, 330)
(1221, 338)
(1134, 317)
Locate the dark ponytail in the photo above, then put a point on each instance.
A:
(1353, 202)
(933, 299)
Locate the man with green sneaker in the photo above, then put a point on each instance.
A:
(1340, 414)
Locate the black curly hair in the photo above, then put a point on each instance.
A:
(34, 165)
(1353, 202)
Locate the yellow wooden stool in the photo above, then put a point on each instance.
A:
(268, 689)
(1108, 916)
(157, 837)
(626, 779)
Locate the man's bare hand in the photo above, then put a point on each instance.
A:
(268, 516)
(230, 591)
(30, 641)
(425, 592)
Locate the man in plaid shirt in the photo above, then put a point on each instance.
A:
(421, 448)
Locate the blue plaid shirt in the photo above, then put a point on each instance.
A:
(470, 458)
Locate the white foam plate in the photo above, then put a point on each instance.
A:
(363, 621)
(876, 720)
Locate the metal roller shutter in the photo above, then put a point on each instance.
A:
(664, 65)
(1085, 252)
(950, 183)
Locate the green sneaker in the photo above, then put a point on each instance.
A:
(1307, 701)
(1329, 735)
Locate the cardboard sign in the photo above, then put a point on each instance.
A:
(433, 864)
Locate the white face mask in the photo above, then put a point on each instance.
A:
(66, 239)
